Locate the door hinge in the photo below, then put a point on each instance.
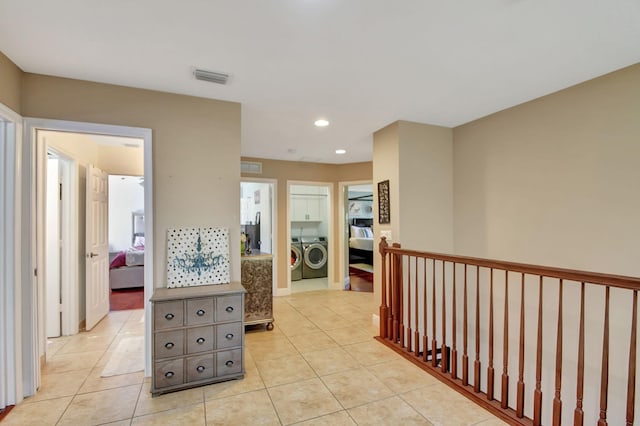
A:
(35, 272)
(60, 185)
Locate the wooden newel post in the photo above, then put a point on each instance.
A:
(384, 308)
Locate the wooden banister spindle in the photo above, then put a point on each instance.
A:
(416, 337)
(400, 280)
(465, 357)
(604, 381)
(578, 414)
(384, 309)
(490, 371)
(397, 296)
(425, 339)
(434, 343)
(393, 318)
(454, 350)
(631, 381)
(537, 394)
(476, 363)
(557, 401)
(408, 314)
(443, 346)
(391, 284)
(504, 392)
(520, 394)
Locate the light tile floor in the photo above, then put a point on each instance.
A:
(309, 284)
(319, 366)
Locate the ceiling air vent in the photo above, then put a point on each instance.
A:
(213, 77)
(251, 167)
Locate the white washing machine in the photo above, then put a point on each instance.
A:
(296, 259)
(315, 257)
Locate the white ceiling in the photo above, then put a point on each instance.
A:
(362, 64)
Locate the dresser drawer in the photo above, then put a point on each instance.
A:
(200, 339)
(229, 335)
(169, 373)
(169, 343)
(199, 311)
(200, 367)
(228, 362)
(168, 314)
(228, 308)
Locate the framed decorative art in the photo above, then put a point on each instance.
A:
(384, 209)
(197, 256)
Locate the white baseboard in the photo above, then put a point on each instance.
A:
(283, 292)
(337, 286)
(375, 320)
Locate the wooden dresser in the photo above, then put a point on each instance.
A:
(198, 336)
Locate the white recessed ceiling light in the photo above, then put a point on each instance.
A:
(341, 151)
(321, 123)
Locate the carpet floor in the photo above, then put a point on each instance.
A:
(126, 298)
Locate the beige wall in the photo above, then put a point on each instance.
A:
(196, 150)
(386, 166)
(555, 181)
(426, 187)
(10, 84)
(417, 159)
(284, 171)
(122, 160)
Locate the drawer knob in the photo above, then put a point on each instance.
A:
(169, 345)
(229, 336)
(200, 368)
(169, 316)
(169, 374)
(200, 312)
(228, 363)
(229, 309)
(200, 340)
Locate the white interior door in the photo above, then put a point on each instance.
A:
(52, 267)
(97, 246)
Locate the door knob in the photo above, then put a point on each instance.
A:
(92, 254)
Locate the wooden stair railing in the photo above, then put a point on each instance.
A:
(414, 283)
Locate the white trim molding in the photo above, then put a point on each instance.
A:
(11, 351)
(31, 150)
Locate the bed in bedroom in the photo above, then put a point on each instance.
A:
(361, 241)
(126, 268)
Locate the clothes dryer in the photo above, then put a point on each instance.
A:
(315, 252)
(296, 259)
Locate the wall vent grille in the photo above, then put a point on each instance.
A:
(251, 167)
(211, 76)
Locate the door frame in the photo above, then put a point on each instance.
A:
(32, 150)
(68, 235)
(274, 226)
(14, 345)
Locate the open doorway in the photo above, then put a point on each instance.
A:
(126, 242)
(76, 211)
(309, 230)
(109, 156)
(259, 260)
(358, 236)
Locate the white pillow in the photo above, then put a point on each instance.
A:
(357, 232)
(368, 233)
